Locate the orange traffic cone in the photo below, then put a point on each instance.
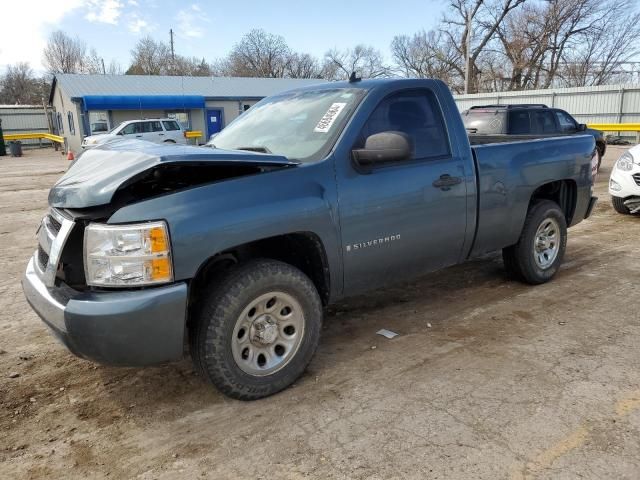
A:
(70, 155)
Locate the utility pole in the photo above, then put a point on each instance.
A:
(468, 77)
(104, 72)
(173, 57)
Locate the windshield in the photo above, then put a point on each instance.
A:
(299, 125)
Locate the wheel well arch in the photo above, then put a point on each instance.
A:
(303, 250)
(562, 192)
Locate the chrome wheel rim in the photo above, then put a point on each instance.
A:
(267, 334)
(546, 244)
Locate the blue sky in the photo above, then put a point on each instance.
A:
(209, 28)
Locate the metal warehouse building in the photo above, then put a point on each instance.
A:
(88, 104)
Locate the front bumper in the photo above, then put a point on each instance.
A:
(128, 328)
(623, 184)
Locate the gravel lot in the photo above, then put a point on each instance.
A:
(488, 379)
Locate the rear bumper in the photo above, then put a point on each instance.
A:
(128, 328)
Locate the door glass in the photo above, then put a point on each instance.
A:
(544, 121)
(171, 126)
(519, 123)
(131, 129)
(415, 113)
(566, 122)
(156, 127)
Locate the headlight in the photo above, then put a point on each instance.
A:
(625, 162)
(127, 255)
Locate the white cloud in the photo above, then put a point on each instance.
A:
(139, 25)
(133, 3)
(105, 11)
(22, 33)
(188, 20)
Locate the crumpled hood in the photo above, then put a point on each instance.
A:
(98, 173)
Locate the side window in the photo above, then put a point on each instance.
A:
(171, 126)
(72, 127)
(418, 115)
(566, 122)
(519, 123)
(543, 121)
(130, 129)
(146, 127)
(156, 126)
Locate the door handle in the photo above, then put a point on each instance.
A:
(446, 181)
(138, 136)
(161, 134)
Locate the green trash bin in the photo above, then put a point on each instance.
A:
(3, 150)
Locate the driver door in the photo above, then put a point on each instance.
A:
(398, 220)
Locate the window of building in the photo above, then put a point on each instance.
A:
(98, 121)
(60, 123)
(72, 127)
(182, 118)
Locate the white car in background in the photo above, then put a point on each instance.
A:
(624, 183)
(157, 130)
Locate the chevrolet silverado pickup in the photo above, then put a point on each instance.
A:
(230, 252)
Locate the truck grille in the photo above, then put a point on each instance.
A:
(52, 236)
(43, 258)
(54, 224)
(636, 177)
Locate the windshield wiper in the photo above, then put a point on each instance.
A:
(257, 148)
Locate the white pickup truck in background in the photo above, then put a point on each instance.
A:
(157, 130)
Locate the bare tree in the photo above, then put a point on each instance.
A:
(427, 55)
(597, 53)
(149, 57)
(258, 54)
(302, 65)
(64, 54)
(366, 61)
(481, 19)
(19, 86)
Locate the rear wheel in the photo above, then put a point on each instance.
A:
(537, 256)
(169, 141)
(257, 329)
(619, 206)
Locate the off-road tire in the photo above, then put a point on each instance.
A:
(211, 336)
(619, 206)
(519, 259)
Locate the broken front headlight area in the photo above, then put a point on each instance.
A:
(127, 255)
(626, 162)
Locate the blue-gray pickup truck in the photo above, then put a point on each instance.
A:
(230, 252)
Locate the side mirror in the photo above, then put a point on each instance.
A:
(384, 147)
(582, 127)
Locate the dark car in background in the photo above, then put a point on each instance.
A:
(488, 123)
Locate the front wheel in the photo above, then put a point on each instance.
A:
(537, 256)
(257, 330)
(619, 206)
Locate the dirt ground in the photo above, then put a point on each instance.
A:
(488, 379)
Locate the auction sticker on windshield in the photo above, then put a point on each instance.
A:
(324, 125)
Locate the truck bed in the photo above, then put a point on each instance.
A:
(509, 172)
